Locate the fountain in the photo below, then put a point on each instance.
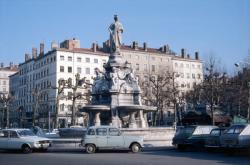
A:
(116, 95)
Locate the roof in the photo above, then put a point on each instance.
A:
(13, 68)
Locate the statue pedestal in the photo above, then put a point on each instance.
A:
(97, 120)
(132, 121)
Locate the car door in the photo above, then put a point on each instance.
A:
(115, 138)
(14, 142)
(3, 139)
(230, 137)
(101, 137)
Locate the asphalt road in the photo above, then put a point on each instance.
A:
(162, 156)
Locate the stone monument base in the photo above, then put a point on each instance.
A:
(153, 136)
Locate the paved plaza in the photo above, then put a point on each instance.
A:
(153, 156)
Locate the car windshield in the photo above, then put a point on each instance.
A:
(25, 133)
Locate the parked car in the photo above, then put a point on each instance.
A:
(236, 137)
(108, 137)
(213, 139)
(191, 136)
(22, 139)
(72, 132)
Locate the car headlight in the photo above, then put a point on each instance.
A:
(36, 144)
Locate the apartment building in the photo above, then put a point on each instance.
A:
(40, 73)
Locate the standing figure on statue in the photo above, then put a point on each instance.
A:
(116, 30)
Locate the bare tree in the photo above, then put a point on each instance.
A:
(160, 91)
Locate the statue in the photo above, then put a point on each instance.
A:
(116, 31)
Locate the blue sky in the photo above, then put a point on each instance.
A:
(213, 27)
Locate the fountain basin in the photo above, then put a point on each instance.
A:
(95, 108)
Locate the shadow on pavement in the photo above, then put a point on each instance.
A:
(220, 157)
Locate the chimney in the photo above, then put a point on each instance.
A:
(145, 47)
(34, 53)
(183, 53)
(135, 45)
(54, 45)
(41, 49)
(27, 57)
(197, 55)
(1, 65)
(94, 47)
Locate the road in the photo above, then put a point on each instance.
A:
(149, 157)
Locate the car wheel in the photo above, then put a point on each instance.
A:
(90, 148)
(135, 148)
(26, 149)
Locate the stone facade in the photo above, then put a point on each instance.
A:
(45, 69)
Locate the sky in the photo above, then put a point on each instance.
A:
(220, 28)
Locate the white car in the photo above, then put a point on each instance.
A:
(22, 139)
(108, 137)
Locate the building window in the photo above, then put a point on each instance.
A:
(188, 85)
(181, 65)
(70, 69)
(61, 107)
(187, 65)
(199, 76)
(137, 67)
(153, 68)
(61, 68)
(69, 58)
(193, 75)
(169, 113)
(79, 70)
(87, 60)
(87, 70)
(193, 66)
(198, 66)
(95, 60)
(62, 58)
(176, 65)
(145, 67)
(104, 61)
(70, 108)
(153, 58)
(4, 89)
(137, 57)
(79, 59)
(188, 75)
(4, 82)
(182, 75)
